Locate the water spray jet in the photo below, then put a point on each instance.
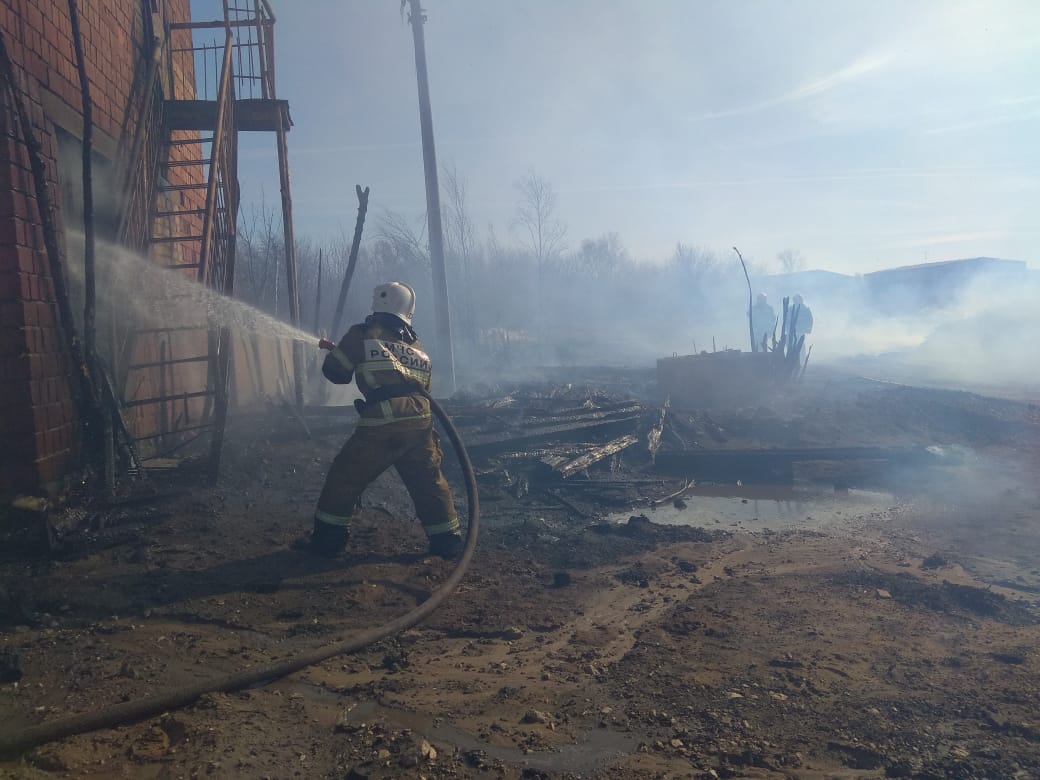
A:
(157, 296)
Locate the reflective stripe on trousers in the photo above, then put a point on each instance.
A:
(450, 527)
(413, 449)
(330, 519)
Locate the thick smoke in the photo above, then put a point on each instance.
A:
(977, 333)
(989, 337)
(950, 325)
(593, 304)
(974, 332)
(963, 327)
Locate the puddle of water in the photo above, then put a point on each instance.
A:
(760, 507)
(585, 755)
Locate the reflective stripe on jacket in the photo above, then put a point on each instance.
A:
(379, 356)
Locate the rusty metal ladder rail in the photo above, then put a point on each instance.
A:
(217, 259)
(221, 82)
(209, 251)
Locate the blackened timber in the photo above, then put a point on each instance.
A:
(764, 465)
(554, 462)
(492, 444)
(250, 115)
(84, 390)
(571, 467)
(568, 504)
(653, 438)
(546, 416)
(619, 484)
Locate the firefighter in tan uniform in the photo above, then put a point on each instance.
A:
(395, 427)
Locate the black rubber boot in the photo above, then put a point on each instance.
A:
(328, 541)
(446, 545)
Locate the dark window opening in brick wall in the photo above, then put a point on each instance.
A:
(104, 188)
(106, 227)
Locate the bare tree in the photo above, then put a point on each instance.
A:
(693, 263)
(309, 254)
(399, 251)
(259, 248)
(461, 234)
(494, 246)
(545, 233)
(536, 215)
(461, 243)
(791, 260)
(407, 244)
(599, 258)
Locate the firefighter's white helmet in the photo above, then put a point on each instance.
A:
(762, 298)
(797, 299)
(395, 298)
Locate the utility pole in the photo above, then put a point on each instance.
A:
(417, 18)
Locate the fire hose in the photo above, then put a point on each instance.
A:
(16, 742)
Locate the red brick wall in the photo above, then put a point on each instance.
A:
(38, 421)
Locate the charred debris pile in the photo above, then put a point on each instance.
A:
(607, 439)
(614, 439)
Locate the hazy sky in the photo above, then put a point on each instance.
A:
(863, 134)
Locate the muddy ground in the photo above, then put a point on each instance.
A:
(886, 629)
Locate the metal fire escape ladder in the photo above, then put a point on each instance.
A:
(192, 234)
(218, 81)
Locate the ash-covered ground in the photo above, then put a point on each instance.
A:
(875, 618)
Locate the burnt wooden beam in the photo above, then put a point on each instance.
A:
(493, 444)
(570, 467)
(617, 484)
(84, 390)
(570, 505)
(538, 408)
(653, 438)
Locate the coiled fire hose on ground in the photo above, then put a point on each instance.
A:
(16, 742)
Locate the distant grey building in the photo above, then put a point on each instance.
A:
(932, 285)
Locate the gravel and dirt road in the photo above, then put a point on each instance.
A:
(885, 632)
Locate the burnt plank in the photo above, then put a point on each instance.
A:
(595, 455)
(485, 445)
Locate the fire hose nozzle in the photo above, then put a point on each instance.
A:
(326, 344)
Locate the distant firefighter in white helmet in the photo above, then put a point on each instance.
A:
(763, 321)
(800, 319)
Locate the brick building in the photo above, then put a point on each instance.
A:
(39, 420)
(164, 184)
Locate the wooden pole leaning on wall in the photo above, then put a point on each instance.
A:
(89, 269)
(82, 388)
(106, 456)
